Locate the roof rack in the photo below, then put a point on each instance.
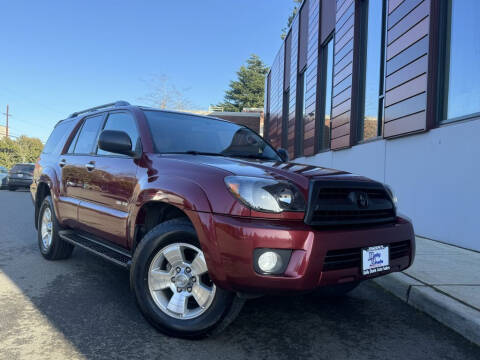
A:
(116, 103)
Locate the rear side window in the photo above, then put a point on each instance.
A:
(88, 135)
(57, 138)
(121, 121)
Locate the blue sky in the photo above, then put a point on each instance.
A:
(61, 56)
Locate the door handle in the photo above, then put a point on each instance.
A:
(90, 166)
(62, 163)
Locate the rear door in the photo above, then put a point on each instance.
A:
(112, 180)
(76, 175)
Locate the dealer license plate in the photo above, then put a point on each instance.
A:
(375, 259)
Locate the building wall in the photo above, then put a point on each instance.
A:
(3, 131)
(434, 174)
(431, 164)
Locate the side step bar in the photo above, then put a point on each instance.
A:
(118, 256)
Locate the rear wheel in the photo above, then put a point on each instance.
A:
(52, 247)
(172, 287)
(12, 188)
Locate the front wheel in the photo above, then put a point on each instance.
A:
(172, 287)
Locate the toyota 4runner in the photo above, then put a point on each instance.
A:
(205, 213)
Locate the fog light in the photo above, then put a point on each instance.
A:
(269, 261)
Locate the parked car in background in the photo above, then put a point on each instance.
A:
(20, 176)
(3, 177)
(205, 213)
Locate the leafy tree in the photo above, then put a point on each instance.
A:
(290, 18)
(248, 90)
(22, 150)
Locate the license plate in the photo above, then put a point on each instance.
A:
(375, 259)
(20, 175)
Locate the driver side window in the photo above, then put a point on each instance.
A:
(122, 121)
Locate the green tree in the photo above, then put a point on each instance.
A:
(290, 18)
(22, 150)
(248, 90)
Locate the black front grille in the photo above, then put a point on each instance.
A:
(337, 203)
(399, 249)
(350, 258)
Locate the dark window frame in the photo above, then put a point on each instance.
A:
(359, 103)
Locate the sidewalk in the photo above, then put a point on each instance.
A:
(443, 282)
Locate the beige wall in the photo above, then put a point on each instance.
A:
(3, 131)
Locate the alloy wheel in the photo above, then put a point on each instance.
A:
(46, 228)
(178, 281)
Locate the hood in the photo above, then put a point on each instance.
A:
(295, 172)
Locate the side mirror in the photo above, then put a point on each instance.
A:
(117, 142)
(283, 154)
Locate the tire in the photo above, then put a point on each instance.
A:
(335, 291)
(11, 188)
(51, 247)
(189, 320)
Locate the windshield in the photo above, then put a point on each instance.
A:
(184, 133)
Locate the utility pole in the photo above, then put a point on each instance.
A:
(8, 115)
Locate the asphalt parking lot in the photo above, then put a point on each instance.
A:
(82, 308)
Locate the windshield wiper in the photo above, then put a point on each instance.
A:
(194, 152)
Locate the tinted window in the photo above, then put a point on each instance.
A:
(122, 122)
(88, 135)
(373, 68)
(57, 138)
(463, 78)
(179, 133)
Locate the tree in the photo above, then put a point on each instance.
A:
(165, 95)
(290, 18)
(248, 90)
(22, 150)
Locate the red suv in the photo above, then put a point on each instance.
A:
(205, 213)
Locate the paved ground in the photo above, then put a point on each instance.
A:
(82, 308)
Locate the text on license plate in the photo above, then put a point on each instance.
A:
(375, 259)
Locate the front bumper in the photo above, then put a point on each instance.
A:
(229, 242)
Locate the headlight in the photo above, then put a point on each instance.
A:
(392, 194)
(265, 194)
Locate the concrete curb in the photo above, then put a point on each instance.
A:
(459, 317)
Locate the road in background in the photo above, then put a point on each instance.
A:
(82, 308)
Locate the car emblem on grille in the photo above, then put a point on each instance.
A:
(362, 199)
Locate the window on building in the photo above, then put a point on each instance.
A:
(300, 115)
(462, 80)
(122, 121)
(374, 25)
(326, 90)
